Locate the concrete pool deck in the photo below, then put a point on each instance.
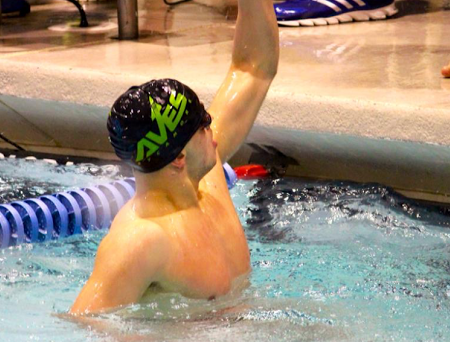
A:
(362, 101)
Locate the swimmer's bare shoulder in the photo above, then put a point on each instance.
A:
(128, 261)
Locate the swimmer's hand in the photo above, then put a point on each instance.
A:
(446, 71)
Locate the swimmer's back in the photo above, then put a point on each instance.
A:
(121, 274)
(197, 252)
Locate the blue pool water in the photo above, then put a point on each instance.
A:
(331, 262)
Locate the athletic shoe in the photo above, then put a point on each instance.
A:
(10, 6)
(329, 12)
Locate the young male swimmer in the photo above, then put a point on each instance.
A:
(180, 232)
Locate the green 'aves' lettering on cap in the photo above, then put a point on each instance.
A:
(145, 144)
(170, 118)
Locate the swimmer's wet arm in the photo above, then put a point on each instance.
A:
(122, 273)
(254, 65)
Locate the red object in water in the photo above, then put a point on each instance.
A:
(251, 171)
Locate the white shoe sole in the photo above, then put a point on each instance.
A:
(376, 14)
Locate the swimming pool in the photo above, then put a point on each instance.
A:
(331, 261)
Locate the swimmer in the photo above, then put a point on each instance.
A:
(446, 71)
(180, 232)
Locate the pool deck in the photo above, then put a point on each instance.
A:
(361, 101)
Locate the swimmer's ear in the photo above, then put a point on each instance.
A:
(180, 161)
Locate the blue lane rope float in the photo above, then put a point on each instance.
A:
(64, 214)
(5, 232)
(87, 208)
(230, 175)
(102, 207)
(73, 212)
(29, 220)
(44, 219)
(60, 217)
(15, 223)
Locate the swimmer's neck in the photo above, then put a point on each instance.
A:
(172, 191)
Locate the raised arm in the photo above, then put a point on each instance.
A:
(253, 67)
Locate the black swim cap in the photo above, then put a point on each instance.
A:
(149, 125)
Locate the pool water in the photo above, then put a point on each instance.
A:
(331, 262)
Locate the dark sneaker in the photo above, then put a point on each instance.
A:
(10, 6)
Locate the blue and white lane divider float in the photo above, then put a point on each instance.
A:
(64, 214)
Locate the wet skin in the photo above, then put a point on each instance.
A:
(180, 233)
(446, 71)
(202, 248)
